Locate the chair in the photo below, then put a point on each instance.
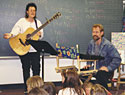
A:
(121, 76)
(66, 53)
(73, 53)
(87, 58)
(88, 73)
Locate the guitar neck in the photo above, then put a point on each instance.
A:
(38, 29)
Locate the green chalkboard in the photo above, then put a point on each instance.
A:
(73, 27)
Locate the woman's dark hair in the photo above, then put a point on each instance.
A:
(63, 73)
(72, 81)
(27, 8)
(50, 88)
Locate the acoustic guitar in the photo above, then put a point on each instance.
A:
(19, 44)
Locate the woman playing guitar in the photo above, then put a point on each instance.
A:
(30, 59)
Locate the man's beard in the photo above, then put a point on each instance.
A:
(95, 38)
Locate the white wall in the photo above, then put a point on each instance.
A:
(11, 70)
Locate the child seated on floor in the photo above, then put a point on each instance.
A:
(71, 84)
(50, 88)
(34, 81)
(98, 89)
(87, 87)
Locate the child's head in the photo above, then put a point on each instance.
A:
(34, 81)
(71, 79)
(87, 87)
(50, 88)
(98, 89)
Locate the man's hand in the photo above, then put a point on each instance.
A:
(103, 68)
(86, 67)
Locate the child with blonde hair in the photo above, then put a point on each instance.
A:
(87, 87)
(34, 81)
(98, 89)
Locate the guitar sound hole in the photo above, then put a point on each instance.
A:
(28, 36)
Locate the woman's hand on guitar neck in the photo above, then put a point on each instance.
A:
(39, 34)
(7, 35)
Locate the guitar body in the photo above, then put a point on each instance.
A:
(18, 43)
